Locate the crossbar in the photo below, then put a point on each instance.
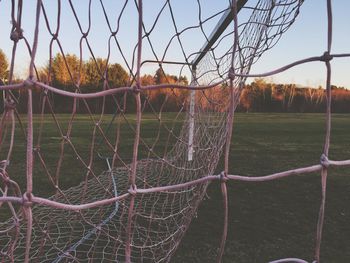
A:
(220, 27)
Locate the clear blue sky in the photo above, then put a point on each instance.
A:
(306, 38)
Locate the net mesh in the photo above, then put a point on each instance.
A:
(122, 180)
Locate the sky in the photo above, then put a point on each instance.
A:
(307, 37)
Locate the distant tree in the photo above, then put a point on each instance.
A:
(147, 80)
(94, 72)
(3, 66)
(43, 74)
(246, 100)
(169, 99)
(183, 80)
(117, 76)
(160, 76)
(66, 74)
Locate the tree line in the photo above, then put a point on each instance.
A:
(261, 96)
(69, 73)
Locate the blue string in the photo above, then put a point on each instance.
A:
(94, 230)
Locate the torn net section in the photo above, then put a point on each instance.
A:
(71, 152)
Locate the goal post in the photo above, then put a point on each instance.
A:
(218, 30)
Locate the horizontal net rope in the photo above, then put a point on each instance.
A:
(138, 207)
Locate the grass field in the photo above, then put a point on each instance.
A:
(266, 220)
(277, 219)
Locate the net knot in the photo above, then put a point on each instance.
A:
(136, 89)
(28, 82)
(132, 190)
(16, 35)
(223, 177)
(5, 177)
(27, 199)
(36, 149)
(84, 35)
(231, 73)
(66, 138)
(326, 57)
(55, 36)
(324, 161)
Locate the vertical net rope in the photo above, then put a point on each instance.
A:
(124, 181)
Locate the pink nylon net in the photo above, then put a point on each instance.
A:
(110, 174)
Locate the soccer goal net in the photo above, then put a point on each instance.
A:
(115, 116)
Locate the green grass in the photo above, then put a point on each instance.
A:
(268, 220)
(276, 219)
(73, 171)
